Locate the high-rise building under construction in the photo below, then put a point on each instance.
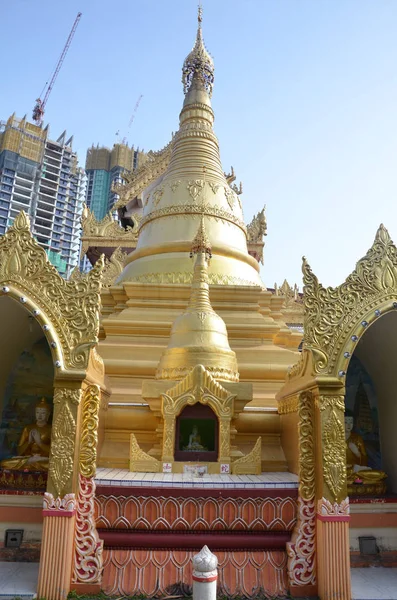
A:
(42, 177)
(104, 167)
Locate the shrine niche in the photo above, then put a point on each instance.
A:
(197, 434)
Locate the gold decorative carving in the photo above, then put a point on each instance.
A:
(324, 402)
(186, 278)
(195, 187)
(62, 395)
(113, 267)
(70, 307)
(306, 446)
(89, 430)
(288, 405)
(62, 448)
(301, 367)
(230, 196)
(175, 184)
(107, 227)
(197, 386)
(214, 186)
(257, 229)
(135, 183)
(157, 195)
(216, 372)
(290, 294)
(334, 453)
(251, 463)
(140, 461)
(185, 210)
(332, 314)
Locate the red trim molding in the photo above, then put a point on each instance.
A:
(332, 518)
(59, 513)
(178, 540)
(195, 492)
(205, 579)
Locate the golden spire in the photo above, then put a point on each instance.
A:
(199, 335)
(193, 189)
(198, 63)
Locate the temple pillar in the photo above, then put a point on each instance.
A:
(332, 507)
(59, 513)
(71, 555)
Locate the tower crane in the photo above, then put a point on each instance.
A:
(124, 141)
(38, 111)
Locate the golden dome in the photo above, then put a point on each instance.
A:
(199, 335)
(194, 183)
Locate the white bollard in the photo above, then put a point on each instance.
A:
(205, 575)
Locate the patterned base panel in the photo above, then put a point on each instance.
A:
(174, 512)
(153, 572)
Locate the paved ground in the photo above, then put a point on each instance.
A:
(18, 579)
(374, 583)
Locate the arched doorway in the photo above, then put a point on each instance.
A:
(26, 379)
(371, 390)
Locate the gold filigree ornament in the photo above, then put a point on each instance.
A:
(113, 267)
(62, 448)
(67, 310)
(334, 454)
(89, 435)
(332, 315)
(306, 446)
(195, 187)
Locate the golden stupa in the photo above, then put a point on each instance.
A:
(191, 197)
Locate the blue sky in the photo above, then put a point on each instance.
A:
(305, 100)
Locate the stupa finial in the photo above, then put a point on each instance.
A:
(198, 63)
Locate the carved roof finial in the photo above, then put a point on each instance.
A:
(201, 242)
(198, 62)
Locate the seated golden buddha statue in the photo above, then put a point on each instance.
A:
(34, 444)
(356, 458)
(194, 444)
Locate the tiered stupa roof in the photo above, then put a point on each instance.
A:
(193, 184)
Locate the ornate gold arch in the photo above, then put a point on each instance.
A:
(336, 318)
(68, 311)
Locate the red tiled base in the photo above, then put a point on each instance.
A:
(153, 572)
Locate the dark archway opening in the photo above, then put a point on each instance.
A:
(197, 434)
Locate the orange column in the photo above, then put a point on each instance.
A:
(333, 553)
(57, 547)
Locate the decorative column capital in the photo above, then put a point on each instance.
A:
(333, 511)
(59, 507)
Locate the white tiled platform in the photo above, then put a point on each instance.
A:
(18, 579)
(374, 583)
(123, 477)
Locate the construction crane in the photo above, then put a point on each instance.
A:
(38, 111)
(124, 141)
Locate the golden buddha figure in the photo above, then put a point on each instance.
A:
(194, 444)
(356, 457)
(34, 444)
